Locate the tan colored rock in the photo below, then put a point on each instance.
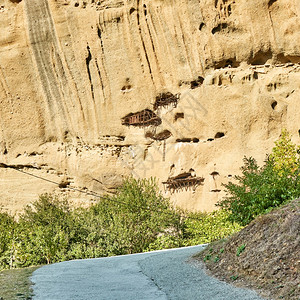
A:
(70, 70)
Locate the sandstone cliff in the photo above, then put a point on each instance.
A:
(71, 70)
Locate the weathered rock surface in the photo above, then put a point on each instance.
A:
(70, 70)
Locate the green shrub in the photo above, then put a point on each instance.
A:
(7, 226)
(165, 241)
(137, 219)
(260, 189)
(44, 232)
(130, 221)
(285, 154)
(201, 228)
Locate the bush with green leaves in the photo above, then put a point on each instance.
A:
(260, 189)
(198, 228)
(44, 232)
(285, 155)
(7, 226)
(129, 221)
(202, 228)
(137, 219)
(49, 231)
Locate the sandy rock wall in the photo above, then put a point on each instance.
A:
(70, 70)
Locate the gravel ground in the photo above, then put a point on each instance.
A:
(168, 274)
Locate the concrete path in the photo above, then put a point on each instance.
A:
(161, 275)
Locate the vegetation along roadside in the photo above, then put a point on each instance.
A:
(138, 218)
(265, 254)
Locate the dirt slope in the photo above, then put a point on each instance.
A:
(265, 255)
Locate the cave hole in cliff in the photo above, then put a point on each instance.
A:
(64, 184)
(227, 63)
(145, 10)
(219, 28)
(126, 88)
(179, 115)
(132, 10)
(184, 140)
(271, 2)
(219, 135)
(274, 105)
(34, 153)
(284, 59)
(260, 58)
(188, 140)
(299, 132)
(76, 4)
(214, 173)
(201, 26)
(5, 151)
(272, 86)
(161, 136)
(15, 1)
(196, 83)
(229, 10)
(210, 139)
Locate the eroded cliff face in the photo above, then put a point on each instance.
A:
(71, 70)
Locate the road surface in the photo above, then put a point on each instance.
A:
(160, 275)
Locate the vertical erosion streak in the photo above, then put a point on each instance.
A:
(181, 37)
(44, 43)
(273, 29)
(153, 46)
(142, 40)
(104, 79)
(102, 63)
(188, 22)
(166, 42)
(4, 88)
(87, 62)
(100, 78)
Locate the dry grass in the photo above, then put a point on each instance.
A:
(270, 261)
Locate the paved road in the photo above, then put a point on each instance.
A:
(158, 275)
